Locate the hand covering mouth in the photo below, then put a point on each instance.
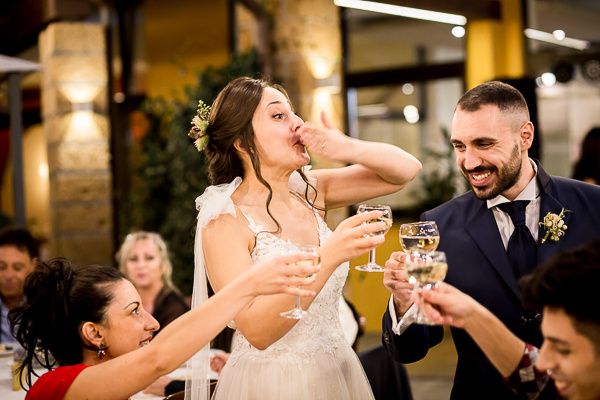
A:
(297, 140)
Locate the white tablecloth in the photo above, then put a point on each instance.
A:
(6, 392)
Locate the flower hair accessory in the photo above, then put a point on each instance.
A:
(554, 225)
(199, 126)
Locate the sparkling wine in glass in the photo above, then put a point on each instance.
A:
(297, 312)
(424, 271)
(372, 266)
(421, 236)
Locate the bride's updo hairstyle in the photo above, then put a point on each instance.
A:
(231, 120)
(60, 297)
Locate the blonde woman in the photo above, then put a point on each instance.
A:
(144, 259)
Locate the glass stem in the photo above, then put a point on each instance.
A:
(297, 304)
(372, 256)
(420, 315)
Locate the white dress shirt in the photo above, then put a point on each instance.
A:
(505, 227)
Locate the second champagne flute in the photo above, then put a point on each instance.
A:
(421, 236)
(297, 312)
(372, 265)
(424, 271)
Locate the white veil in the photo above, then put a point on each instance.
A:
(215, 200)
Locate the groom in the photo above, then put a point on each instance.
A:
(488, 249)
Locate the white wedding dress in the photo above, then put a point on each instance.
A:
(313, 360)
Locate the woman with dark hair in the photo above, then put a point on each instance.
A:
(144, 259)
(587, 168)
(266, 200)
(89, 322)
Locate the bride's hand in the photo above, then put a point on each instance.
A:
(324, 142)
(353, 237)
(283, 274)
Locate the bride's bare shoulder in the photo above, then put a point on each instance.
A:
(228, 227)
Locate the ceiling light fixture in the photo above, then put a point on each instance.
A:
(559, 34)
(458, 31)
(408, 12)
(550, 38)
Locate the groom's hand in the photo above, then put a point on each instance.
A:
(395, 280)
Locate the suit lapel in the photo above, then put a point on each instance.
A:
(549, 204)
(482, 228)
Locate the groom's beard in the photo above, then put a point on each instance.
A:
(505, 177)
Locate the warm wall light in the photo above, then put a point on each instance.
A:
(88, 106)
(321, 66)
(43, 170)
(322, 100)
(332, 84)
(408, 12)
(80, 91)
(550, 38)
(83, 126)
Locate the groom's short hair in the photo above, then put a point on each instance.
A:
(504, 96)
(569, 282)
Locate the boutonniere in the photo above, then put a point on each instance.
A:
(554, 225)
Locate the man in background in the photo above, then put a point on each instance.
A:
(18, 253)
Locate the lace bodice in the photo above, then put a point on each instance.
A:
(318, 331)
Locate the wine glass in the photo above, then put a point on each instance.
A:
(424, 271)
(372, 265)
(421, 236)
(297, 312)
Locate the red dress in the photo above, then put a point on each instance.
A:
(54, 384)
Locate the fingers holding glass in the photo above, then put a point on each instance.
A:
(302, 270)
(385, 218)
(424, 271)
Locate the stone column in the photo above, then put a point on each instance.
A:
(75, 118)
(307, 60)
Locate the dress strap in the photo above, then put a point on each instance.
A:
(252, 225)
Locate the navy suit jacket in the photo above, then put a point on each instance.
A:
(478, 265)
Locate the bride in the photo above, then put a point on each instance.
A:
(265, 201)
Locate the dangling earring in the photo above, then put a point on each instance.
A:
(101, 351)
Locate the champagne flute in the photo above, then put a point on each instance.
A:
(313, 250)
(372, 265)
(421, 236)
(424, 271)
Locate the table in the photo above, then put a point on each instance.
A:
(6, 392)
